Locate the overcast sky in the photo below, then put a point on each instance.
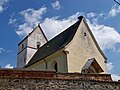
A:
(19, 17)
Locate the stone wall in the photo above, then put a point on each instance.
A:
(53, 84)
(12, 79)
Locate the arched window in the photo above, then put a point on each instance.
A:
(38, 45)
(56, 67)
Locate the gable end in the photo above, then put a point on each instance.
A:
(98, 47)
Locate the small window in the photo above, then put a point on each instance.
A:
(85, 34)
(38, 45)
(22, 46)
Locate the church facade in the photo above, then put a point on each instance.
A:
(73, 50)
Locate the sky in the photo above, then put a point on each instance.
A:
(19, 17)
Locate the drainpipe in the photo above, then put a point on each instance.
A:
(45, 64)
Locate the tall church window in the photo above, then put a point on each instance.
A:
(56, 67)
(38, 45)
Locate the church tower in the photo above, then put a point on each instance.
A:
(29, 45)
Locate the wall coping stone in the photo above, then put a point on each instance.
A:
(36, 74)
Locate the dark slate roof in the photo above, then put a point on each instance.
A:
(55, 44)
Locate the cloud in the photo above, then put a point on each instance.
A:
(8, 66)
(109, 66)
(56, 5)
(2, 50)
(31, 18)
(11, 20)
(106, 36)
(1, 9)
(53, 26)
(115, 10)
(3, 5)
(91, 15)
(115, 77)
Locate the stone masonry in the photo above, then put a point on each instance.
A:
(53, 84)
(15, 79)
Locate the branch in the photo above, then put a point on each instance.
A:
(117, 2)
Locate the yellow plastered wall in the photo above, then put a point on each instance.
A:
(82, 48)
(38, 66)
(61, 60)
(59, 57)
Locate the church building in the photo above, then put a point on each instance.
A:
(74, 50)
